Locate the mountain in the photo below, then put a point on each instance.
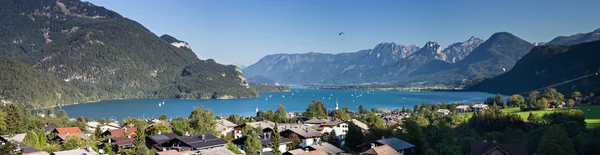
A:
(107, 56)
(460, 50)
(316, 68)
(577, 38)
(498, 53)
(549, 65)
(259, 79)
(23, 83)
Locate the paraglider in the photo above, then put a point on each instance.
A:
(340, 34)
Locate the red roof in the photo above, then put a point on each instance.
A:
(71, 130)
(123, 141)
(119, 132)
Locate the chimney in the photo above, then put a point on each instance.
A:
(129, 137)
(187, 133)
(159, 132)
(372, 145)
(203, 137)
(164, 149)
(110, 140)
(306, 150)
(67, 132)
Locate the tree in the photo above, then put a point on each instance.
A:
(31, 139)
(163, 117)
(98, 133)
(555, 141)
(315, 110)
(101, 120)
(2, 122)
(515, 100)
(203, 121)
(354, 137)
(332, 139)
(575, 95)
(361, 110)
(416, 107)
(139, 143)
(62, 114)
(252, 143)
(14, 119)
(158, 128)
(180, 126)
(9, 148)
(295, 141)
(108, 148)
(543, 103)
(72, 142)
(571, 103)
(534, 118)
(280, 115)
(499, 101)
(532, 99)
(231, 147)
(275, 141)
(341, 114)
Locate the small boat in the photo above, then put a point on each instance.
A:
(270, 96)
(163, 102)
(323, 97)
(266, 98)
(282, 96)
(352, 95)
(159, 104)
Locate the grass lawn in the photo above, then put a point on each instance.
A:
(592, 113)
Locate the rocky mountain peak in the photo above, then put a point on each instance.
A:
(394, 49)
(175, 42)
(460, 50)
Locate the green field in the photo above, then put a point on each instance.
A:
(592, 113)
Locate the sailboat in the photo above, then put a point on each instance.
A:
(282, 96)
(163, 102)
(269, 96)
(266, 98)
(159, 104)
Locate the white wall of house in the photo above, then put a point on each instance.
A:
(309, 141)
(227, 131)
(341, 130)
(282, 148)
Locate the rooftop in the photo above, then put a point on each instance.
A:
(330, 149)
(486, 147)
(381, 150)
(395, 143)
(306, 132)
(360, 124)
(70, 130)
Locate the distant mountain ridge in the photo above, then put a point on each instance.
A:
(460, 50)
(577, 38)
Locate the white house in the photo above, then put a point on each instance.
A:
(462, 108)
(443, 111)
(307, 135)
(225, 127)
(340, 128)
(478, 107)
(91, 126)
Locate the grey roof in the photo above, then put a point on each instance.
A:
(314, 121)
(306, 132)
(159, 139)
(15, 138)
(333, 123)
(296, 151)
(30, 150)
(330, 149)
(76, 152)
(264, 141)
(396, 143)
(196, 141)
(223, 124)
(360, 124)
(47, 128)
(218, 151)
(261, 124)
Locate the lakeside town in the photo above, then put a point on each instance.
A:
(438, 128)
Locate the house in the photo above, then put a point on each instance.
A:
(154, 140)
(214, 151)
(265, 125)
(462, 108)
(307, 135)
(200, 142)
(47, 128)
(63, 133)
(265, 139)
(315, 121)
(340, 128)
(362, 125)
(123, 142)
(121, 132)
(155, 121)
(482, 148)
(381, 150)
(86, 151)
(478, 107)
(395, 143)
(305, 152)
(444, 111)
(328, 148)
(225, 127)
(91, 126)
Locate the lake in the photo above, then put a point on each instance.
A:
(296, 101)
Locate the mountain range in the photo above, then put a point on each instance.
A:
(461, 63)
(90, 53)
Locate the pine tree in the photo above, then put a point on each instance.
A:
(3, 122)
(295, 141)
(280, 115)
(139, 143)
(354, 137)
(252, 143)
(98, 133)
(31, 139)
(203, 121)
(14, 119)
(275, 141)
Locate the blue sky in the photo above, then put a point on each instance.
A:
(243, 31)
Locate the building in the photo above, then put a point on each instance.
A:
(443, 111)
(201, 142)
(225, 127)
(155, 140)
(307, 135)
(121, 132)
(395, 143)
(63, 133)
(85, 151)
(315, 121)
(340, 128)
(462, 108)
(305, 152)
(91, 126)
(265, 125)
(47, 128)
(478, 107)
(362, 125)
(328, 148)
(265, 139)
(381, 150)
(123, 142)
(17, 138)
(484, 148)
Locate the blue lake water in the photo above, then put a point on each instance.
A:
(296, 101)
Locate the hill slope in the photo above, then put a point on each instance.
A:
(576, 38)
(103, 54)
(548, 65)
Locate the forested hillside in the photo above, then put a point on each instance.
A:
(104, 55)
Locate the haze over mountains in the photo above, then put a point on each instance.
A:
(462, 63)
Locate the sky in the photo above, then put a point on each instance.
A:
(243, 31)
